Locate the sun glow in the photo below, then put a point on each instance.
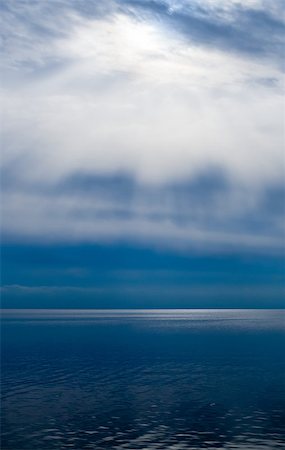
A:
(126, 43)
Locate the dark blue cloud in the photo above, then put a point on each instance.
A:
(127, 276)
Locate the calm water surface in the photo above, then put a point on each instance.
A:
(160, 379)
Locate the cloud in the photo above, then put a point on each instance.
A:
(185, 217)
(157, 94)
(251, 28)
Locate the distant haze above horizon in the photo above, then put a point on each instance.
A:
(143, 153)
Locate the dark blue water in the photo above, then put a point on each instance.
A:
(143, 380)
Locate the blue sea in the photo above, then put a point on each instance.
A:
(143, 379)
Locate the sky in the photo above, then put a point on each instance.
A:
(142, 153)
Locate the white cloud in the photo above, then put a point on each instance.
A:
(150, 105)
(126, 95)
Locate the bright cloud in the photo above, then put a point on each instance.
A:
(123, 91)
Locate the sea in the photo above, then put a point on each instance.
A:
(143, 379)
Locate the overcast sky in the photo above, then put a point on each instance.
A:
(156, 124)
